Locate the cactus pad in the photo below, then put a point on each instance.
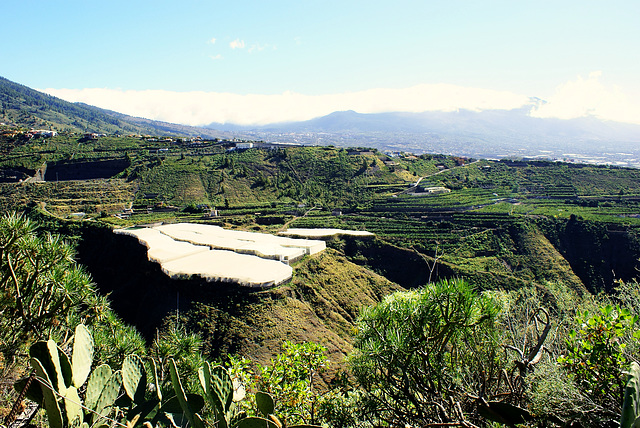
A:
(82, 356)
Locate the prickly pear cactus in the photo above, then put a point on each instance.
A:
(213, 382)
(97, 381)
(54, 413)
(82, 356)
(631, 405)
(265, 403)
(108, 395)
(134, 378)
(194, 419)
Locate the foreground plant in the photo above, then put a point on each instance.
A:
(58, 385)
(41, 286)
(596, 356)
(421, 355)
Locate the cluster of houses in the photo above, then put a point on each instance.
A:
(93, 136)
(43, 133)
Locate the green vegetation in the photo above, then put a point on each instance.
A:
(425, 356)
(459, 311)
(432, 355)
(23, 106)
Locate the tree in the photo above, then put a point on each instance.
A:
(41, 286)
(428, 356)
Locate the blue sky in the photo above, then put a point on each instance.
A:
(233, 61)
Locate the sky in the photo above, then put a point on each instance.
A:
(254, 62)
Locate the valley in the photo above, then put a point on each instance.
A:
(502, 223)
(320, 215)
(558, 232)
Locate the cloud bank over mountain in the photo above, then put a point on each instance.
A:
(581, 97)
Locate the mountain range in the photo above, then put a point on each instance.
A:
(489, 133)
(479, 134)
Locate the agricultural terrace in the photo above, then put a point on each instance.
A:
(324, 233)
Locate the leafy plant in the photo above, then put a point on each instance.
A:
(290, 378)
(422, 355)
(596, 356)
(40, 284)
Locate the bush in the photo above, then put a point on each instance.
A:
(41, 286)
(422, 355)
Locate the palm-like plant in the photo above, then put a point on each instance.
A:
(40, 284)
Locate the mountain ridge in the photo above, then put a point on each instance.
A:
(27, 107)
(490, 134)
(484, 134)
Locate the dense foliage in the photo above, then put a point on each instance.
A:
(428, 356)
(497, 322)
(41, 288)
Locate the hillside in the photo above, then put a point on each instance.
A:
(500, 224)
(25, 107)
(320, 304)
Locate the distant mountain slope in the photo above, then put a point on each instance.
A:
(23, 106)
(513, 124)
(490, 133)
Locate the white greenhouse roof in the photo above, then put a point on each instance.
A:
(216, 254)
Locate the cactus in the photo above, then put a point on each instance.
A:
(61, 371)
(254, 422)
(218, 389)
(73, 407)
(265, 403)
(194, 419)
(82, 356)
(134, 378)
(221, 380)
(172, 405)
(54, 413)
(60, 377)
(156, 381)
(97, 380)
(55, 362)
(108, 395)
(631, 405)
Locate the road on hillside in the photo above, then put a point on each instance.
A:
(417, 183)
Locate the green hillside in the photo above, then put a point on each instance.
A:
(28, 108)
(530, 237)
(503, 223)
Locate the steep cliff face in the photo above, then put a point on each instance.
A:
(586, 256)
(598, 253)
(85, 170)
(400, 265)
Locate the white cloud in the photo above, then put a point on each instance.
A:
(212, 41)
(200, 108)
(590, 97)
(237, 44)
(215, 57)
(260, 48)
(573, 99)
